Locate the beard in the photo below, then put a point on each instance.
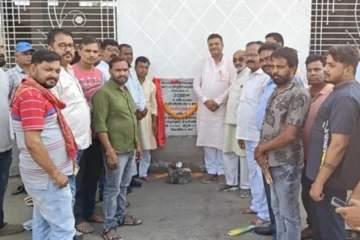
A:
(2, 60)
(281, 80)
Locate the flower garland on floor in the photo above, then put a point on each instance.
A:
(189, 113)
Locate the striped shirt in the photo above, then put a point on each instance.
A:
(32, 112)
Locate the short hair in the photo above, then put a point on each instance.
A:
(314, 58)
(87, 40)
(215, 35)
(124, 45)
(260, 43)
(115, 60)
(108, 42)
(54, 32)
(142, 59)
(277, 36)
(289, 54)
(45, 56)
(347, 55)
(268, 46)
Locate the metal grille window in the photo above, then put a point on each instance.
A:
(334, 22)
(30, 20)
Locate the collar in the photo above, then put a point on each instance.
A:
(326, 90)
(257, 72)
(102, 62)
(19, 69)
(114, 85)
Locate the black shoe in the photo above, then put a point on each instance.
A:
(135, 183)
(264, 231)
(129, 189)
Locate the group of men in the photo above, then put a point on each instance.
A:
(72, 121)
(259, 112)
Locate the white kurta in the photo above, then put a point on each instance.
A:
(146, 137)
(230, 141)
(212, 83)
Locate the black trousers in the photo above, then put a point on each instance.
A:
(91, 167)
(326, 223)
(305, 195)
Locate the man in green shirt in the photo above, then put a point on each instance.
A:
(115, 123)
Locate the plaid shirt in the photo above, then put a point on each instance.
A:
(15, 75)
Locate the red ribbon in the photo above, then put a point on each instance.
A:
(160, 135)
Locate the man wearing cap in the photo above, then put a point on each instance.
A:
(23, 54)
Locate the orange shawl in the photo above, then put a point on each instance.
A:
(30, 84)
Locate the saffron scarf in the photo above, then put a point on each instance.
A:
(30, 84)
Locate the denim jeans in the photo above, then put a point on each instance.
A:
(53, 217)
(116, 183)
(91, 165)
(285, 191)
(5, 162)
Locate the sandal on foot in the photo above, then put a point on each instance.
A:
(28, 201)
(9, 229)
(257, 221)
(113, 237)
(247, 210)
(352, 235)
(134, 221)
(84, 227)
(18, 190)
(146, 179)
(97, 218)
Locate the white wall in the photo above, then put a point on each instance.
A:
(173, 33)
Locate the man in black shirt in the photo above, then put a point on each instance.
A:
(329, 139)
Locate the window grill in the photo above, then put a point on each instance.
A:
(334, 22)
(30, 20)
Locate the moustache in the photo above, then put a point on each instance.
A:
(51, 79)
(113, 55)
(67, 53)
(250, 61)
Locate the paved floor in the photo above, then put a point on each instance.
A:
(169, 212)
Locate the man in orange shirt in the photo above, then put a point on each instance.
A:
(319, 90)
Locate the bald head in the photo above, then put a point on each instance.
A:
(239, 60)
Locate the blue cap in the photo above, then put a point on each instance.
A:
(23, 47)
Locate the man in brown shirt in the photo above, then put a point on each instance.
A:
(319, 90)
(281, 146)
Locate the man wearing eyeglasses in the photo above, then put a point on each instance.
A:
(231, 150)
(109, 50)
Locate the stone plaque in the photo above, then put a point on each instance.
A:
(179, 95)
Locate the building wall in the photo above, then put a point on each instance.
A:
(172, 34)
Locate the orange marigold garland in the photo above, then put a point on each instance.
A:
(189, 113)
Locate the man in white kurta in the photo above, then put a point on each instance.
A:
(247, 133)
(147, 125)
(211, 87)
(231, 149)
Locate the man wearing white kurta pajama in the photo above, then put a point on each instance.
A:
(248, 134)
(211, 87)
(231, 150)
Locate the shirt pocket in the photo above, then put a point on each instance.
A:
(223, 75)
(72, 93)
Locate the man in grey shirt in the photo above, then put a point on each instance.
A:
(281, 148)
(5, 148)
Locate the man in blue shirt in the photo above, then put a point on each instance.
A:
(136, 91)
(265, 59)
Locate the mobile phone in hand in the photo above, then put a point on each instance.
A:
(337, 203)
